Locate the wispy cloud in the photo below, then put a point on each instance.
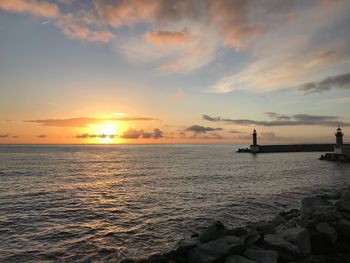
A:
(100, 136)
(202, 129)
(85, 121)
(284, 120)
(136, 134)
(334, 82)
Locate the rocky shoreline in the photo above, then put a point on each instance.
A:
(317, 232)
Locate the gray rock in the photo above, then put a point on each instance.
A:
(261, 255)
(285, 249)
(344, 202)
(263, 227)
(238, 259)
(251, 237)
(343, 227)
(329, 231)
(310, 204)
(214, 231)
(215, 250)
(299, 237)
(326, 214)
(185, 245)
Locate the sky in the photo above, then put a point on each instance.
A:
(174, 71)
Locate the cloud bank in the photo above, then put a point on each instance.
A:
(284, 120)
(84, 121)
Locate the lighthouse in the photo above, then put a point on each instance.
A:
(254, 148)
(255, 139)
(338, 148)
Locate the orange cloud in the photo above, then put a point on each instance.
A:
(43, 9)
(84, 121)
(232, 20)
(166, 38)
(75, 28)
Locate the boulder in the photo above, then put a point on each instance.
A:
(326, 214)
(238, 259)
(287, 215)
(299, 237)
(320, 244)
(261, 255)
(344, 202)
(185, 245)
(285, 249)
(329, 231)
(310, 204)
(212, 232)
(215, 250)
(251, 237)
(343, 227)
(263, 227)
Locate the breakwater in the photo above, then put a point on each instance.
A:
(319, 231)
(289, 148)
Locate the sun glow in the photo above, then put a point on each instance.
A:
(104, 133)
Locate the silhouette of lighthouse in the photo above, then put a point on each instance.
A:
(255, 138)
(338, 148)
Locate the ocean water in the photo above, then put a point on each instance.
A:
(105, 203)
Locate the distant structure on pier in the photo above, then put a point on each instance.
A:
(338, 148)
(341, 151)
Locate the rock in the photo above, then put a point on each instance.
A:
(238, 259)
(287, 215)
(215, 250)
(329, 231)
(310, 204)
(320, 244)
(212, 232)
(185, 245)
(261, 255)
(326, 214)
(299, 237)
(344, 202)
(251, 237)
(343, 227)
(285, 249)
(287, 225)
(263, 227)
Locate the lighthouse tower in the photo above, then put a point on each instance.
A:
(254, 148)
(339, 141)
(255, 139)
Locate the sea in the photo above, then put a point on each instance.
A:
(105, 203)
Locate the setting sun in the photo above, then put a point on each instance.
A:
(104, 133)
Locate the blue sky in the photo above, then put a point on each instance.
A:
(173, 62)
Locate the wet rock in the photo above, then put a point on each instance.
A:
(299, 237)
(326, 214)
(261, 255)
(309, 205)
(344, 202)
(343, 227)
(215, 250)
(329, 231)
(263, 227)
(320, 244)
(214, 231)
(238, 259)
(285, 249)
(185, 245)
(287, 215)
(251, 237)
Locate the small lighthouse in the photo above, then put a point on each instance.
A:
(255, 139)
(254, 148)
(338, 148)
